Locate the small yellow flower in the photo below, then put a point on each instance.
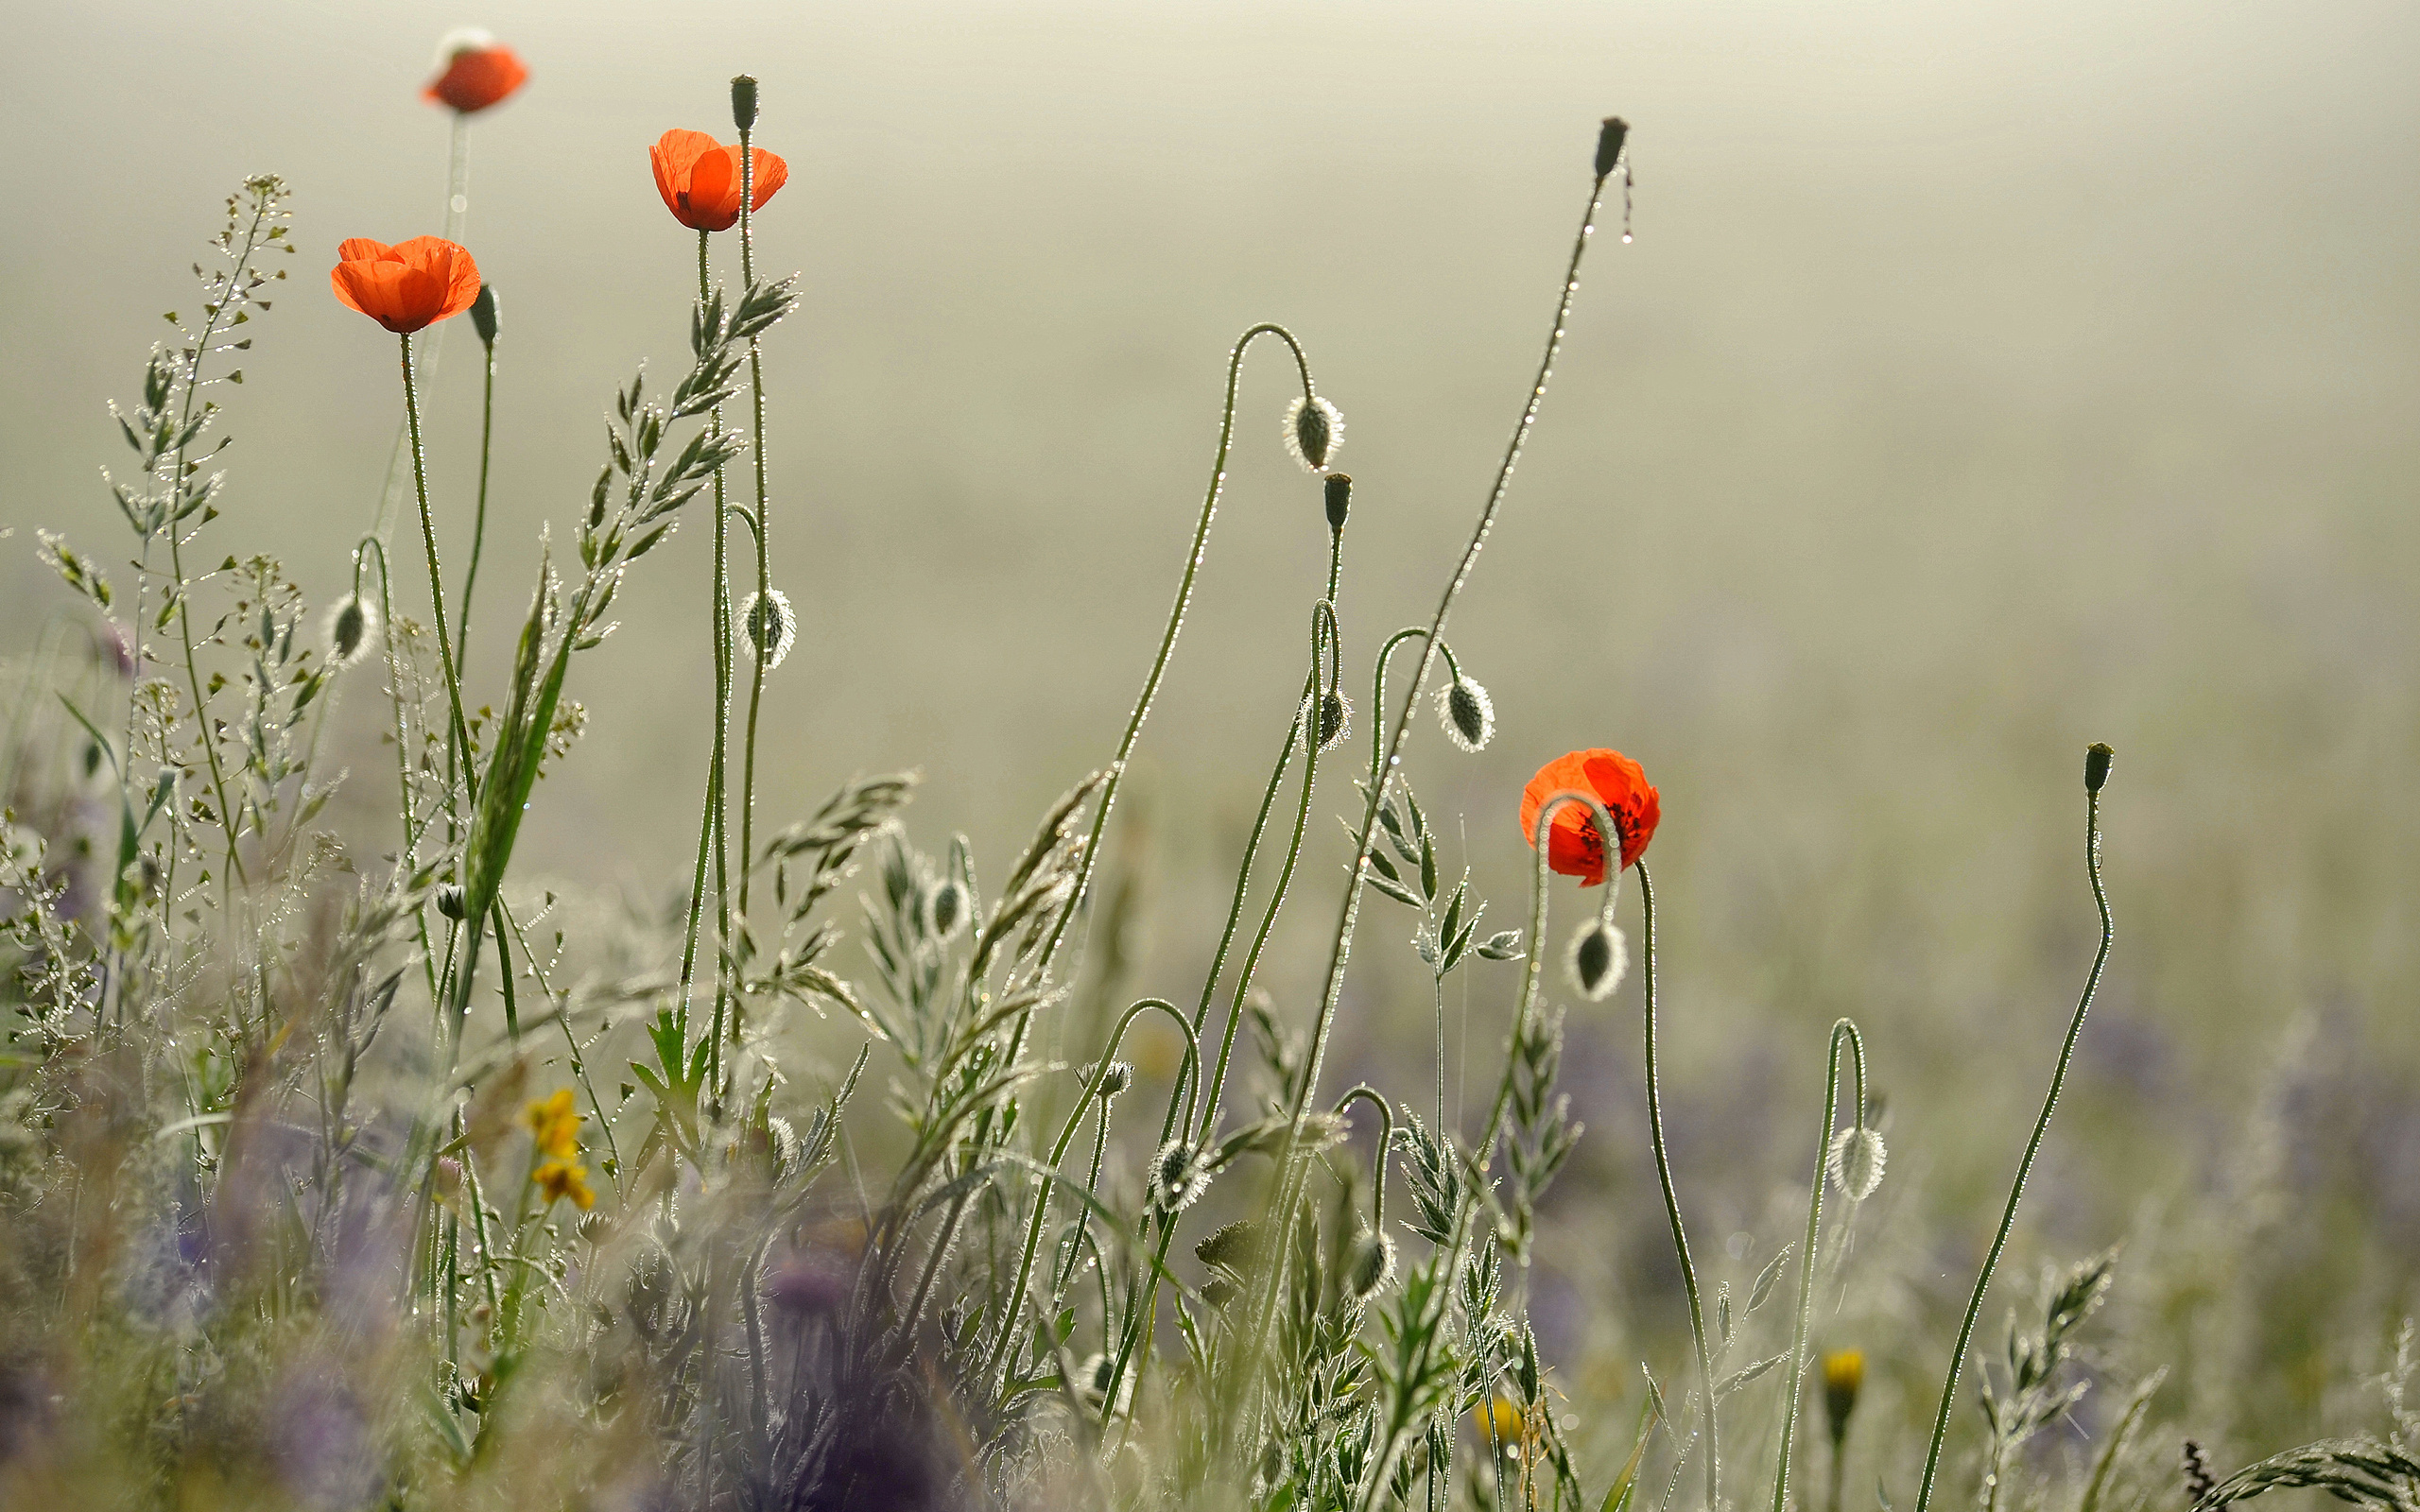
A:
(561, 1178)
(1844, 1377)
(1502, 1419)
(556, 1125)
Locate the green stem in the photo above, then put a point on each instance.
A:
(1672, 1200)
(428, 542)
(479, 521)
(1844, 1032)
(763, 561)
(2033, 1145)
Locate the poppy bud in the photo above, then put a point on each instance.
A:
(1179, 1177)
(1600, 958)
(946, 908)
(1116, 1078)
(451, 901)
(483, 314)
(1844, 1377)
(1467, 713)
(1609, 144)
(352, 625)
(769, 628)
(593, 1227)
(1854, 1161)
(1314, 431)
(743, 103)
(2095, 765)
(1335, 719)
(1370, 1264)
(1339, 499)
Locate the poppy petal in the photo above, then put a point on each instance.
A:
(359, 249)
(772, 173)
(713, 190)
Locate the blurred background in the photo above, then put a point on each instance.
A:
(1984, 380)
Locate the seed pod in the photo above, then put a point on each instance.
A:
(1854, 1161)
(1314, 431)
(450, 900)
(1600, 958)
(768, 627)
(2095, 765)
(352, 626)
(1467, 713)
(743, 102)
(1339, 499)
(1609, 144)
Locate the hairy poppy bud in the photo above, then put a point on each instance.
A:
(769, 628)
(1854, 1161)
(483, 314)
(1467, 713)
(946, 908)
(1370, 1264)
(743, 102)
(1179, 1177)
(1116, 1078)
(451, 901)
(1314, 431)
(1339, 499)
(2095, 765)
(352, 626)
(1609, 144)
(1600, 958)
(1843, 1378)
(1335, 719)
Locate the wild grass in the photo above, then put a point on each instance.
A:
(375, 1173)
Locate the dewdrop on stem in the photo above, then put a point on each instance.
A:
(770, 628)
(1314, 431)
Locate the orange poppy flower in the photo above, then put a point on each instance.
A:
(405, 286)
(1573, 846)
(479, 72)
(699, 177)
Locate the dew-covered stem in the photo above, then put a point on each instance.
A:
(1844, 1033)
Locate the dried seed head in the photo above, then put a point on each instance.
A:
(1844, 1377)
(1609, 144)
(1370, 1265)
(743, 102)
(1467, 713)
(945, 909)
(1179, 1177)
(352, 626)
(1600, 958)
(1339, 499)
(1314, 431)
(768, 627)
(2095, 765)
(451, 901)
(483, 314)
(1335, 718)
(1854, 1161)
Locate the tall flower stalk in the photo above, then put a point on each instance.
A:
(2096, 773)
(1845, 1036)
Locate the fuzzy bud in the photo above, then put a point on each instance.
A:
(483, 314)
(1335, 719)
(743, 103)
(1467, 713)
(1600, 958)
(1854, 1161)
(2095, 765)
(1179, 1177)
(1609, 144)
(451, 901)
(352, 626)
(946, 908)
(1370, 1265)
(1116, 1078)
(1339, 499)
(1314, 431)
(768, 627)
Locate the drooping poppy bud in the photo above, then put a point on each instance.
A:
(475, 72)
(1179, 1177)
(1369, 1265)
(768, 627)
(353, 624)
(1331, 721)
(1854, 1161)
(699, 179)
(1314, 431)
(451, 899)
(1467, 713)
(406, 287)
(1600, 958)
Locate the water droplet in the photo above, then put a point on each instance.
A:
(460, 203)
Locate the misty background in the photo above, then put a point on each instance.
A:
(1984, 380)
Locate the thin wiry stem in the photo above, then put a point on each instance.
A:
(1844, 1033)
(764, 559)
(2032, 1146)
(460, 732)
(1291, 1182)
(479, 519)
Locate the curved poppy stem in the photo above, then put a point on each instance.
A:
(1289, 1186)
(1844, 1033)
(2032, 1146)
(1366, 1093)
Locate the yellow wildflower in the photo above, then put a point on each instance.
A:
(561, 1178)
(555, 1123)
(1844, 1377)
(1501, 1419)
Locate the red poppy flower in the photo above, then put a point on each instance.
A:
(405, 286)
(479, 72)
(1573, 846)
(699, 177)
